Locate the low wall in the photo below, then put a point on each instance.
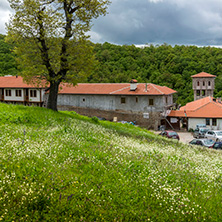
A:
(151, 123)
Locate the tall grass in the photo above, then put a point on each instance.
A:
(60, 166)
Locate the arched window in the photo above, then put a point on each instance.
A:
(209, 83)
(203, 83)
(198, 83)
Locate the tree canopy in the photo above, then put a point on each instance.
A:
(50, 40)
(160, 64)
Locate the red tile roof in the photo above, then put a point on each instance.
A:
(203, 108)
(115, 89)
(15, 82)
(93, 88)
(203, 74)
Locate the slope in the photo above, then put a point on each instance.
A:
(59, 166)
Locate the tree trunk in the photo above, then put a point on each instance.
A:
(53, 94)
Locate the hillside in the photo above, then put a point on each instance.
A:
(66, 167)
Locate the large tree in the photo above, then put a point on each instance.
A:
(51, 41)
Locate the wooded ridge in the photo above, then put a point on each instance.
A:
(167, 65)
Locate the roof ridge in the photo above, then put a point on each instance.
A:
(156, 88)
(217, 103)
(202, 106)
(118, 90)
(99, 83)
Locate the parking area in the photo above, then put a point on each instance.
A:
(185, 137)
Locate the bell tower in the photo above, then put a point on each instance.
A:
(203, 85)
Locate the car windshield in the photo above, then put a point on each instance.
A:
(208, 142)
(172, 133)
(204, 130)
(219, 133)
(217, 145)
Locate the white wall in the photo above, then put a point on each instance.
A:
(192, 122)
(37, 98)
(13, 97)
(113, 102)
(22, 98)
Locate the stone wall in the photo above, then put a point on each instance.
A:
(151, 123)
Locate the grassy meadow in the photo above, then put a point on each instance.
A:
(60, 166)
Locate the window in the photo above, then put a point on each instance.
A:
(123, 100)
(198, 83)
(33, 93)
(203, 93)
(8, 92)
(214, 122)
(83, 99)
(209, 83)
(207, 121)
(166, 100)
(198, 92)
(210, 132)
(203, 83)
(18, 92)
(136, 99)
(151, 102)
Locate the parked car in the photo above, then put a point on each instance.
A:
(200, 132)
(170, 134)
(202, 142)
(215, 135)
(217, 146)
(200, 125)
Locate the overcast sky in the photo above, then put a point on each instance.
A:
(187, 22)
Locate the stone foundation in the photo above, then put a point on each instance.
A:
(151, 123)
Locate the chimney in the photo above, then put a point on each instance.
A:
(133, 85)
(219, 99)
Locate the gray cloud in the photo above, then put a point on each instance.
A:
(5, 10)
(166, 21)
(196, 22)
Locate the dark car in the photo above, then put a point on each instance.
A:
(202, 142)
(217, 146)
(200, 132)
(170, 134)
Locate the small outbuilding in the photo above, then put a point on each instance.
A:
(206, 111)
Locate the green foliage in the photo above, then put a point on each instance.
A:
(163, 65)
(7, 59)
(95, 119)
(60, 166)
(51, 40)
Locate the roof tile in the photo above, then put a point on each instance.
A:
(116, 89)
(203, 75)
(93, 88)
(203, 108)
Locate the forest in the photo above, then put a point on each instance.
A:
(164, 65)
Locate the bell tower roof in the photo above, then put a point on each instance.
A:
(203, 75)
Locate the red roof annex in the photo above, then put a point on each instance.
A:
(203, 108)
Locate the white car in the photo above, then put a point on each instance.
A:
(215, 135)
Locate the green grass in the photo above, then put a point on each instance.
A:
(60, 166)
